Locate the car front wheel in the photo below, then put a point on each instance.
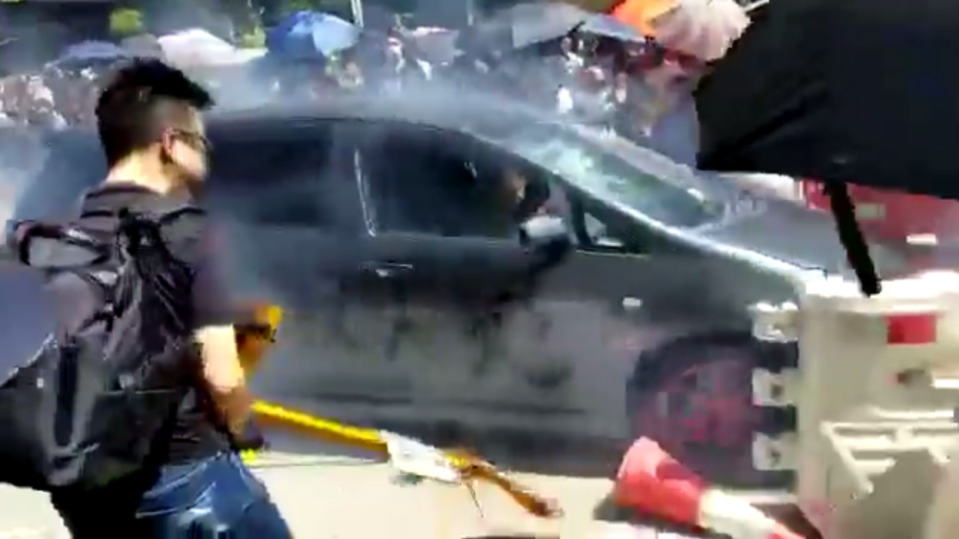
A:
(694, 397)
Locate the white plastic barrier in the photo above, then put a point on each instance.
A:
(875, 392)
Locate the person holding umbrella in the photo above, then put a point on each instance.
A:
(301, 45)
(573, 62)
(683, 37)
(703, 29)
(668, 117)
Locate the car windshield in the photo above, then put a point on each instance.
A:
(616, 171)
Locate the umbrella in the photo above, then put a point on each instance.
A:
(435, 45)
(531, 23)
(608, 26)
(311, 35)
(850, 91)
(90, 52)
(841, 91)
(702, 28)
(195, 47)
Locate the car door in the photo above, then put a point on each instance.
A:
(624, 288)
(285, 197)
(292, 226)
(444, 259)
(467, 325)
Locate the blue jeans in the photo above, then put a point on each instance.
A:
(209, 499)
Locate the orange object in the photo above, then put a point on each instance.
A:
(653, 483)
(640, 13)
(255, 337)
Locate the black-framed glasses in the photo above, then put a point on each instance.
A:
(194, 139)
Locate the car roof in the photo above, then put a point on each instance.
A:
(438, 107)
(445, 107)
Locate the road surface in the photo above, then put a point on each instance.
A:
(326, 492)
(342, 497)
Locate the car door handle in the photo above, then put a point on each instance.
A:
(387, 270)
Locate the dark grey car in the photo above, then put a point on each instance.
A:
(391, 231)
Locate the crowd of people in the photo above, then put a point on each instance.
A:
(635, 89)
(626, 88)
(52, 98)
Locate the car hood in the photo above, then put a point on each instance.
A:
(799, 236)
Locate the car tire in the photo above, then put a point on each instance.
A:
(668, 402)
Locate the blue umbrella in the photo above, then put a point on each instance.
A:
(310, 35)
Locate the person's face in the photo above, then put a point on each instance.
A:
(597, 78)
(394, 49)
(185, 150)
(354, 76)
(675, 67)
(514, 184)
(666, 74)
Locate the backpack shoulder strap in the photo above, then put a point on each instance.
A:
(82, 298)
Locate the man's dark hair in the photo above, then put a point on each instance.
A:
(140, 101)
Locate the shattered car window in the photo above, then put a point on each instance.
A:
(654, 191)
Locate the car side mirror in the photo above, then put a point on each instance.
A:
(545, 237)
(48, 246)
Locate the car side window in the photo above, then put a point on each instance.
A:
(599, 234)
(600, 229)
(435, 182)
(281, 180)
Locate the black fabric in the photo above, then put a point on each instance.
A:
(90, 408)
(852, 238)
(195, 433)
(187, 239)
(844, 90)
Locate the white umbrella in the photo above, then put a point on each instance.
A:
(701, 28)
(197, 47)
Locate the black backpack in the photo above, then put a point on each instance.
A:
(92, 404)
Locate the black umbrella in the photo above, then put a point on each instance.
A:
(530, 23)
(845, 91)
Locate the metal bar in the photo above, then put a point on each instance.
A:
(753, 6)
(356, 8)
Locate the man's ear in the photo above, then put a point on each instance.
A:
(167, 141)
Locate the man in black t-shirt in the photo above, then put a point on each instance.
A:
(150, 129)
